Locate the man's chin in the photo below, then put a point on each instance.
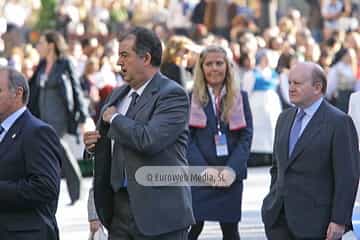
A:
(126, 80)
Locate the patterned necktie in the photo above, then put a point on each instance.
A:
(118, 172)
(295, 131)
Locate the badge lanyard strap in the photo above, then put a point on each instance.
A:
(218, 113)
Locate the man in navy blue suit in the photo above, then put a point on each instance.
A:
(30, 162)
(315, 172)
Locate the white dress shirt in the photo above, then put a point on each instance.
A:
(125, 103)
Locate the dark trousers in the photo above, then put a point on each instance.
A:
(71, 171)
(123, 225)
(229, 230)
(281, 231)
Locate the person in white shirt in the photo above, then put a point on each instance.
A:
(354, 111)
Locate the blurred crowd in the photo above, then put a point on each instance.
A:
(329, 35)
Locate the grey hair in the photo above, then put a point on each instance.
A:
(16, 80)
(318, 76)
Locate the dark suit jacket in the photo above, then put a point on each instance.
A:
(202, 152)
(29, 180)
(318, 183)
(156, 136)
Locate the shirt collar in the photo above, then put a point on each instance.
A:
(211, 91)
(141, 89)
(10, 120)
(310, 111)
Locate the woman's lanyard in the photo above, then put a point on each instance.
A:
(218, 113)
(220, 138)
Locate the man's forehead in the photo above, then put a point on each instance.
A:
(127, 41)
(301, 70)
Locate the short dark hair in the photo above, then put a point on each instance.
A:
(146, 41)
(15, 80)
(318, 76)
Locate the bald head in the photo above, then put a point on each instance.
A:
(312, 72)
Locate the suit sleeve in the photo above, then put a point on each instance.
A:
(42, 181)
(274, 164)
(240, 155)
(345, 160)
(194, 155)
(168, 121)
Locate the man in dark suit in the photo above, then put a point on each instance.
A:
(315, 172)
(29, 165)
(144, 123)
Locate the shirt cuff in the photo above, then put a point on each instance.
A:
(90, 152)
(113, 116)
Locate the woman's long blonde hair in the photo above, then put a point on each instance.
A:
(174, 45)
(200, 85)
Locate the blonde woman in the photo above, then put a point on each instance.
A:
(175, 59)
(220, 135)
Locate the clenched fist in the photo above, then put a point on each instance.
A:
(90, 139)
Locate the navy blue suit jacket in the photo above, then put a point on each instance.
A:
(317, 184)
(202, 152)
(30, 160)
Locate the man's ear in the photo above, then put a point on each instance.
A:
(147, 59)
(19, 92)
(318, 86)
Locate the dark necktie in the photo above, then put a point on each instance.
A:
(295, 131)
(1, 129)
(134, 99)
(118, 173)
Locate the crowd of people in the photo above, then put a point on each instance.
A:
(238, 77)
(262, 57)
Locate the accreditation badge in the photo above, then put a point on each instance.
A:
(221, 145)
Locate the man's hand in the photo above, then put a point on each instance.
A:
(108, 113)
(94, 225)
(90, 139)
(335, 231)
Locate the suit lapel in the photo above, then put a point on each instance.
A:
(287, 129)
(13, 133)
(312, 128)
(148, 94)
(117, 95)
